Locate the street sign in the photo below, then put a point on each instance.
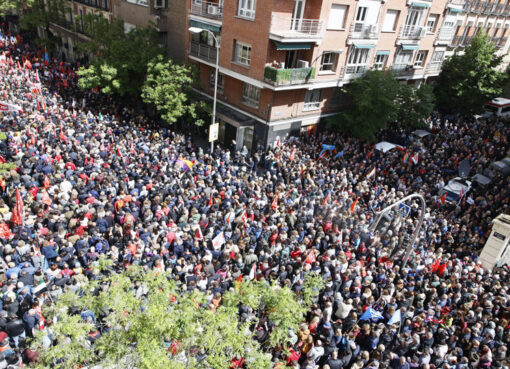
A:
(404, 209)
(213, 132)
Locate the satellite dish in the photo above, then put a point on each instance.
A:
(464, 168)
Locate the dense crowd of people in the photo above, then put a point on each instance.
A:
(97, 178)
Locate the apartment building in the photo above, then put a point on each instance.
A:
(283, 63)
(168, 16)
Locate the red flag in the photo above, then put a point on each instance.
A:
(456, 162)
(442, 268)
(370, 153)
(353, 206)
(244, 217)
(210, 201)
(198, 234)
(2, 159)
(46, 182)
(45, 198)
(292, 155)
(310, 259)
(17, 212)
(274, 204)
(435, 266)
(5, 232)
(34, 191)
(443, 198)
(240, 278)
(326, 200)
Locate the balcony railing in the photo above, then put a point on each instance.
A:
(295, 27)
(457, 2)
(354, 71)
(499, 41)
(361, 31)
(289, 76)
(402, 69)
(207, 9)
(203, 51)
(99, 4)
(461, 40)
(412, 32)
(446, 33)
(434, 68)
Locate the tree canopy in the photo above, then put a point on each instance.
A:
(467, 81)
(120, 60)
(144, 320)
(373, 104)
(7, 6)
(414, 105)
(167, 86)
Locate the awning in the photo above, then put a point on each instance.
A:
(456, 10)
(420, 5)
(203, 25)
(292, 46)
(383, 52)
(410, 47)
(363, 46)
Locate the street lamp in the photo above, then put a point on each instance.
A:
(199, 30)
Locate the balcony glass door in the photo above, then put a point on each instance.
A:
(297, 15)
(413, 17)
(290, 59)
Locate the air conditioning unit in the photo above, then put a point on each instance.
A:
(213, 10)
(303, 64)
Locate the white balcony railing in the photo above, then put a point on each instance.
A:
(361, 31)
(288, 27)
(434, 68)
(207, 9)
(412, 32)
(354, 71)
(446, 33)
(457, 2)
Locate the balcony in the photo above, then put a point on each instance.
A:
(203, 51)
(434, 68)
(293, 29)
(500, 42)
(461, 40)
(360, 31)
(457, 2)
(402, 70)
(446, 34)
(412, 32)
(290, 76)
(207, 9)
(354, 71)
(98, 4)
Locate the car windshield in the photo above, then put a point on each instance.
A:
(452, 196)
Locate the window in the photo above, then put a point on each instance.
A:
(390, 21)
(420, 58)
(431, 22)
(437, 57)
(312, 100)
(221, 81)
(380, 61)
(404, 58)
(251, 95)
(247, 8)
(160, 4)
(328, 62)
(357, 61)
(80, 13)
(361, 13)
(337, 17)
(242, 53)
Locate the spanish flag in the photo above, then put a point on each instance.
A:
(353, 206)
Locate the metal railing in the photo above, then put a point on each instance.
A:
(446, 33)
(361, 31)
(100, 4)
(203, 51)
(288, 76)
(296, 27)
(412, 32)
(207, 9)
(402, 69)
(434, 68)
(354, 71)
(461, 40)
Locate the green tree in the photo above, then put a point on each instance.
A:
(119, 60)
(8, 6)
(40, 14)
(414, 105)
(152, 324)
(373, 104)
(469, 80)
(167, 87)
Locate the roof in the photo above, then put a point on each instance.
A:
(385, 146)
(499, 101)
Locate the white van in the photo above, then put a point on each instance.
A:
(499, 107)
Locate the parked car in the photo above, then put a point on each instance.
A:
(481, 183)
(500, 168)
(455, 188)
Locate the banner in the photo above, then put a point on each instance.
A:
(9, 107)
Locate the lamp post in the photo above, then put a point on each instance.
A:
(199, 30)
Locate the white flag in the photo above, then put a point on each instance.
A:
(395, 318)
(9, 107)
(218, 241)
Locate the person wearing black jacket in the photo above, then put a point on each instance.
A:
(15, 328)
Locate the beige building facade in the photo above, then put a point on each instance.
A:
(283, 63)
